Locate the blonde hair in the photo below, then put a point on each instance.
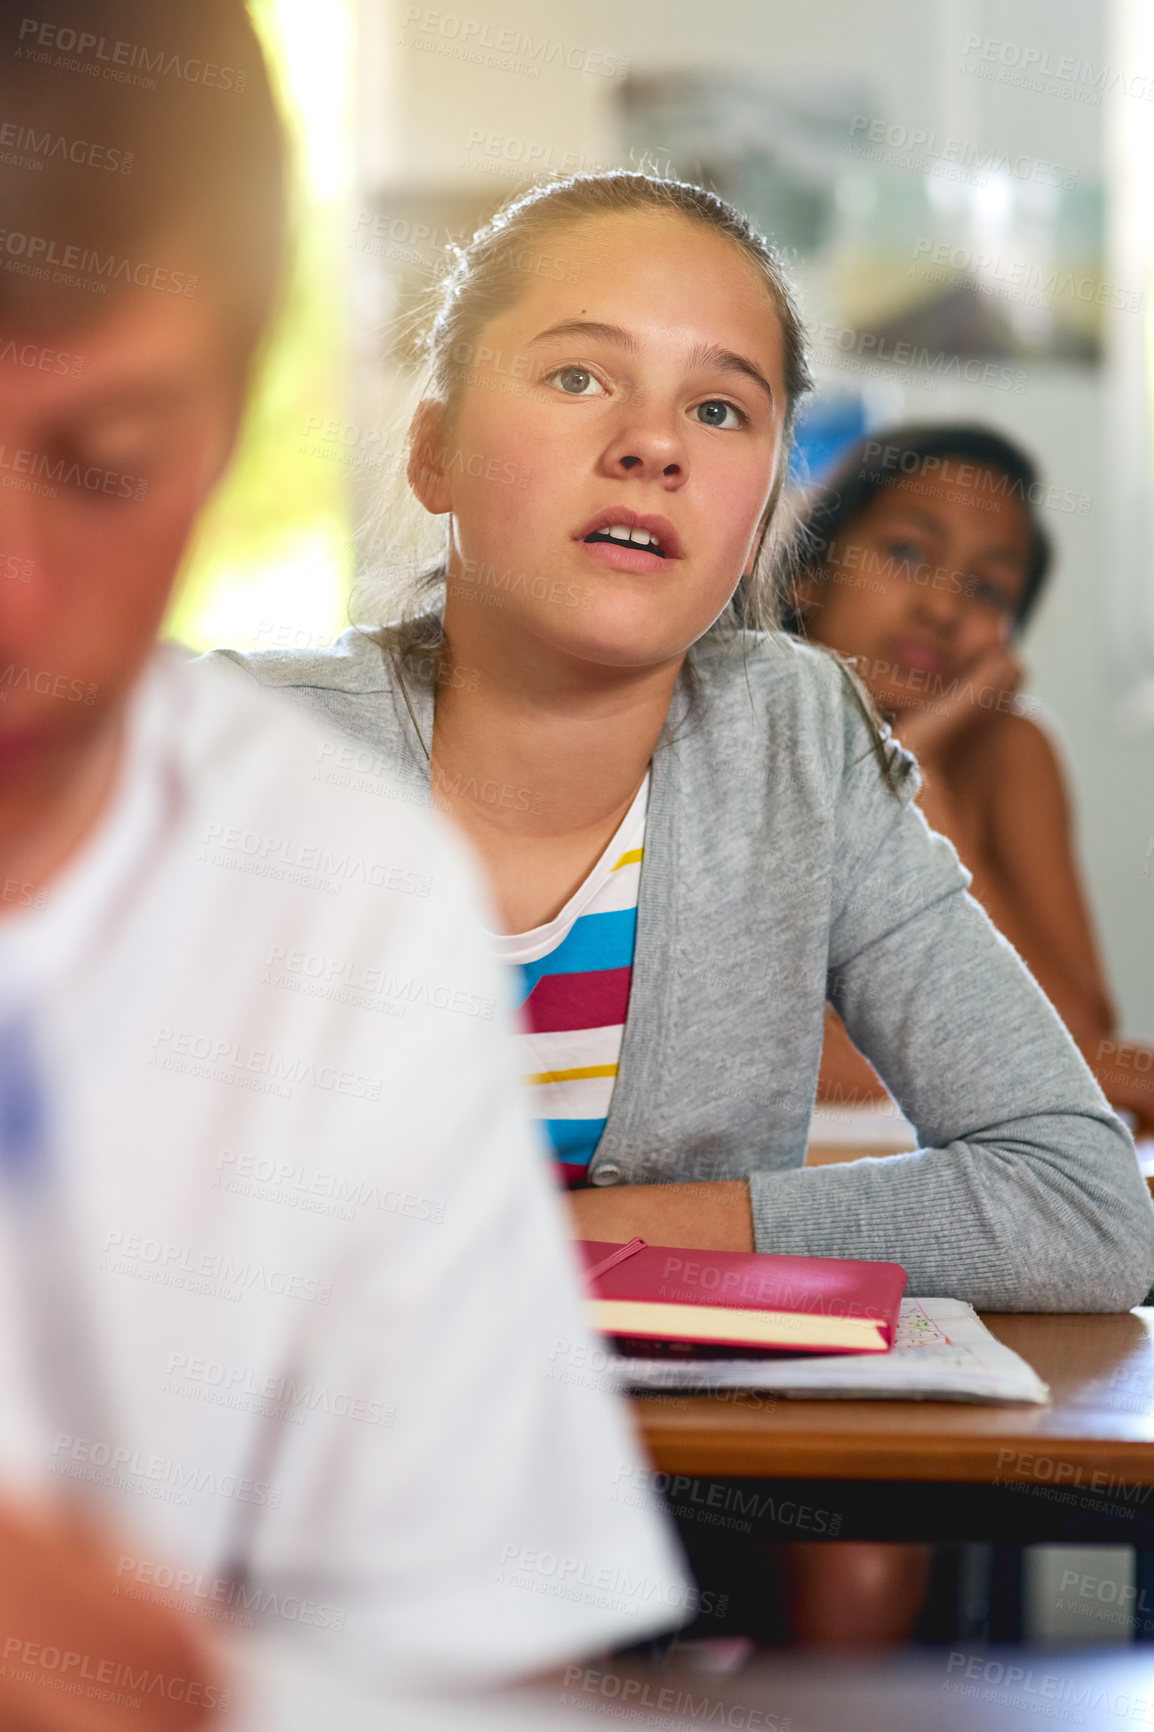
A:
(487, 276)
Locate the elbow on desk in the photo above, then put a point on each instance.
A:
(1127, 1271)
(1126, 1228)
(1101, 1274)
(1109, 1260)
(1064, 1200)
(1117, 1289)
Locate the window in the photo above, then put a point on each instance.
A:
(271, 562)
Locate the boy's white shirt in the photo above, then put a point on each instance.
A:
(333, 1319)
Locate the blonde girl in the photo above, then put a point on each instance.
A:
(694, 833)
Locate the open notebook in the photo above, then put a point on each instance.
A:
(943, 1352)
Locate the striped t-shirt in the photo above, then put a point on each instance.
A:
(575, 974)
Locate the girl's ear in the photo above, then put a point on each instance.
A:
(426, 467)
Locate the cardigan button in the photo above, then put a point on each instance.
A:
(606, 1174)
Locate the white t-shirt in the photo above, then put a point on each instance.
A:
(338, 1375)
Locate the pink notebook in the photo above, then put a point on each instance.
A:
(749, 1300)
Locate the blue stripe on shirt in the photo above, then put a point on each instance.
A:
(573, 1139)
(595, 941)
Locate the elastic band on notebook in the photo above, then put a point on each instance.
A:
(615, 1257)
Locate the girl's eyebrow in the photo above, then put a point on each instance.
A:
(615, 334)
(704, 355)
(918, 515)
(726, 361)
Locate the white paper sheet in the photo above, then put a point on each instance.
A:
(943, 1352)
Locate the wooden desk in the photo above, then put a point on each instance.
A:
(920, 1457)
(1101, 1374)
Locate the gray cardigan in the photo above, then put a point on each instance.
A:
(781, 870)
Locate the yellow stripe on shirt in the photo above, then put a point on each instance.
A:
(575, 1075)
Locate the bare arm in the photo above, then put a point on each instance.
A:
(712, 1216)
(993, 786)
(1026, 877)
(63, 1622)
(1029, 874)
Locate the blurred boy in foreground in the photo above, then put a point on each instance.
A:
(284, 1301)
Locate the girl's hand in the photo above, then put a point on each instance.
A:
(75, 1656)
(932, 731)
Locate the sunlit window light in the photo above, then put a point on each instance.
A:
(272, 559)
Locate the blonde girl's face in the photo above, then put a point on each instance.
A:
(635, 386)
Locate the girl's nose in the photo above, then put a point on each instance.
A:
(647, 446)
(631, 462)
(943, 606)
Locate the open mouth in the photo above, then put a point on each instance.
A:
(626, 537)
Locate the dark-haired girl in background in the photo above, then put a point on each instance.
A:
(920, 559)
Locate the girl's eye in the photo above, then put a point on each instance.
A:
(104, 469)
(905, 552)
(116, 441)
(715, 413)
(989, 595)
(576, 382)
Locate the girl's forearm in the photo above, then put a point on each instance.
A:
(713, 1216)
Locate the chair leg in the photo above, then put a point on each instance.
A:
(1006, 1581)
(1144, 1601)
